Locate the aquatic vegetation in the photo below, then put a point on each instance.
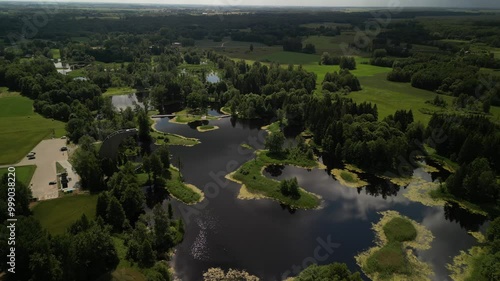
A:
(393, 258)
(206, 128)
(348, 178)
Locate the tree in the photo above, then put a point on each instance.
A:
(156, 166)
(379, 53)
(102, 205)
(309, 49)
(30, 239)
(92, 254)
(133, 200)
(290, 188)
(347, 63)
(22, 197)
(164, 155)
(88, 167)
(115, 214)
(334, 271)
(274, 142)
(144, 129)
(45, 266)
(146, 166)
(146, 255)
(163, 237)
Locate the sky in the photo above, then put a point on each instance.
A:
(332, 3)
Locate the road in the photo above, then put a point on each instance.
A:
(47, 154)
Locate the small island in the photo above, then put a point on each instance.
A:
(348, 178)
(206, 128)
(393, 258)
(254, 185)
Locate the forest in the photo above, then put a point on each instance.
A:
(278, 70)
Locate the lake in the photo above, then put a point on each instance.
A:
(269, 240)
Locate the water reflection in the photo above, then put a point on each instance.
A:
(212, 77)
(268, 239)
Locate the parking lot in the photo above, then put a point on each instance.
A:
(47, 153)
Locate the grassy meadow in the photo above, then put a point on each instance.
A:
(22, 128)
(57, 215)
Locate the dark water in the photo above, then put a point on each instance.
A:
(270, 241)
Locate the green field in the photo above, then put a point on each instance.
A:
(116, 91)
(22, 128)
(392, 96)
(286, 58)
(57, 215)
(23, 173)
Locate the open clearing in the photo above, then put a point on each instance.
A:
(23, 173)
(58, 214)
(22, 128)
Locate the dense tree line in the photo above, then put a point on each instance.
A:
(467, 138)
(351, 132)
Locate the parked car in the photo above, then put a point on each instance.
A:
(31, 154)
(53, 182)
(31, 157)
(64, 148)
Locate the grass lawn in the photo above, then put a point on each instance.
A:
(173, 139)
(23, 173)
(116, 91)
(77, 73)
(60, 168)
(22, 128)
(56, 54)
(57, 215)
(250, 174)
